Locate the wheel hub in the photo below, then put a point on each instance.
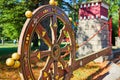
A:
(56, 51)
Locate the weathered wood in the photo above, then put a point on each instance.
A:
(55, 66)
(86, 59)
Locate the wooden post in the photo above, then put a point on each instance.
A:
(119, 24)
(110, 31)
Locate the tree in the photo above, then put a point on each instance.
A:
(113, 11)
(12, 16)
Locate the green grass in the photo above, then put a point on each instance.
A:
(7, 49)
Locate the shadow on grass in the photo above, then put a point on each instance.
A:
(6, 50)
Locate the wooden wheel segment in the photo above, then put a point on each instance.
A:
(55, 66)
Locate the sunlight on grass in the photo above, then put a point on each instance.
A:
(82, 73)
(85, 72)
(7, 45)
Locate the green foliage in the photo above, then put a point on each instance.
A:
(10, 31)
(12, 16)
(113, 10)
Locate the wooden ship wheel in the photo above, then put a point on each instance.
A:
(56, 61)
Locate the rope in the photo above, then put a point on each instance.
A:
(78, 46)
(92, 35)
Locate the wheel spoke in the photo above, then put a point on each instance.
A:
(62, 35)
(48, 63)
(44, 35)
(44, 72)
(62, 62)
(55, 70)
(37, 55)
(65, 65)
(54, 27)
(67, 48)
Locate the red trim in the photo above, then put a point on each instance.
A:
(110, 31)
(93, 11)
(119, 31)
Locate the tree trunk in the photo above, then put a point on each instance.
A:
(2, 41)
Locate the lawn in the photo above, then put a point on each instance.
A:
(8, 73)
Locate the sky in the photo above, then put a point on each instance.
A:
(70, 3)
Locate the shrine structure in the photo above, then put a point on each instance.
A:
(93, 32)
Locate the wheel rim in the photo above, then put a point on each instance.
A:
(55, 54)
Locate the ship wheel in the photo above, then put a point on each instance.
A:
(54, 58)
